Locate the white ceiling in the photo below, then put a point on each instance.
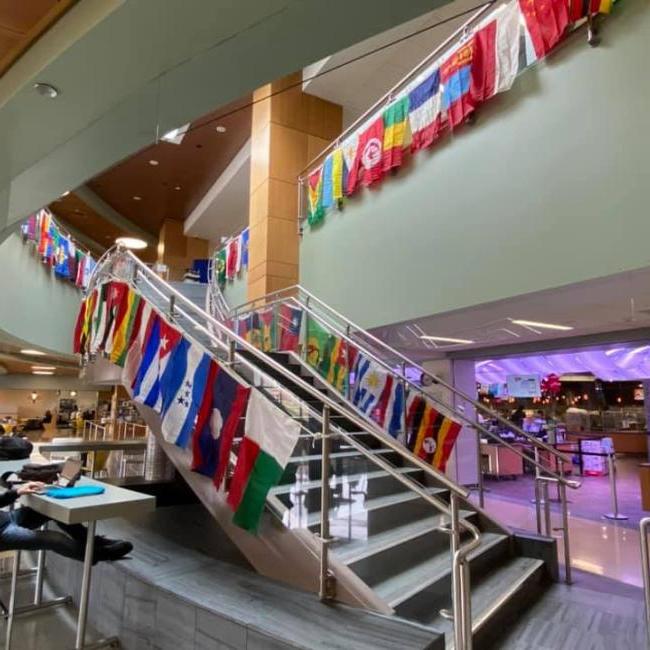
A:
(356, 86)
(613, 304)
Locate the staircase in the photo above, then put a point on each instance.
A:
(407, 542)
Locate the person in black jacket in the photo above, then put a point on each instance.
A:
(19, 531)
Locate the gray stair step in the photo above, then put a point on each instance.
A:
(315, 484)
(493, 592)
(404, 586)
(338, 454)
(363, 548)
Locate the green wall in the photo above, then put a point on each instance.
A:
(236, 292)
(550, 186)
(37, 307)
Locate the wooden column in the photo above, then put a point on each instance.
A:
(178, 251)
(289, 128)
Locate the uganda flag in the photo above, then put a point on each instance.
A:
(395, 123)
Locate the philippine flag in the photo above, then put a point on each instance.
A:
(182, 385)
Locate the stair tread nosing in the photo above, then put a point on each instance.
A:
(362, 548)
(308, 485)
(400, 588)
(377, 503)
(494, 591)
(338, 454)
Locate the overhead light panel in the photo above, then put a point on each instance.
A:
(175, 136)
(137, 198)
(47, 90)
(42, 372)
(43, 367)
(34, 353)
(131, 242)
(545, 326)
(446, 339)
(154, 163)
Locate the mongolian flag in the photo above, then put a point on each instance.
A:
(315, 196)
(395, 128)
(456, 75)
(581, 8)
(290, 319)
(425, 112)
(546, 21)
(368, 164)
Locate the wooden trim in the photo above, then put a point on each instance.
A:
(45, 22)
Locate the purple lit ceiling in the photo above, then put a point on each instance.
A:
(617, 363)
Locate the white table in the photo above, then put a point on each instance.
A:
(114, 502)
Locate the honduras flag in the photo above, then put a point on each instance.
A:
(182, 385)
(163, 338)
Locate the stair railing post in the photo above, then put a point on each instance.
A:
(645, 571)
(547, 509)
(614, 514)
(326, 584)
(348, 365)
(458, 602)
(172, 304)
(479, 467)
(565, 535)
(538, 499)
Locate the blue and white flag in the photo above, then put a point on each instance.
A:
(182, 385)
(369, 381)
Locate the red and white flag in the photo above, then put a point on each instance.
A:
(368, 166)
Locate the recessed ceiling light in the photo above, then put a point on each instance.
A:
(177, 187)
(546, 326)
(34, 353)
(43, 367)
(447, 339)
(153, 163)
(220, 128)
(137, 198)
(65, 193)
(42, 372)
(46, 90)
(131, 242)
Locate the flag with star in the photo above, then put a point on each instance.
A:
(289, 321)
(370, 380)
(182, 385)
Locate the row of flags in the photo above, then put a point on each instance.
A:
(483, 64)
(271, 329)
(232, 257)
(57, 249)
(200, 404)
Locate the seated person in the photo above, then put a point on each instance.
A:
(19, 531)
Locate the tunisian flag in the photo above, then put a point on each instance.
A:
(368, 163)
(546, 22)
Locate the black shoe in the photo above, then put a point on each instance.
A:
(115, 551)
(101, 541)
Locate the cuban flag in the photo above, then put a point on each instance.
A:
(425, 112)
(162, 339)
(219, 419)
(290, 322)
(182, 385)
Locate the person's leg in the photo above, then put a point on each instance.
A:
(17, 538)
(28, 518)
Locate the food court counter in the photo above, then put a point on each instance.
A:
(625, 442)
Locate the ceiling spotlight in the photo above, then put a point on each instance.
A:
(46, 90)
(34, 353)
(42, 372)
(65, 193)
(153, 163)
(177, 187)
(73, 393)
(131, 242)
(220, 128)
(137, 198)
(546, 326)
(446, 339)
(43, 367)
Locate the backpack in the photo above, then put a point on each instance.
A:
(15, 448)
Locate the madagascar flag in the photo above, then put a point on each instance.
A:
(269, 440)
(395, 119)
(546, 22)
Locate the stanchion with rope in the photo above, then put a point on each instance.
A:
(615, 515)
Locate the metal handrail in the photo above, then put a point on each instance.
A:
(358, 330)
(388, 96)
(644, 525)
(462, 615)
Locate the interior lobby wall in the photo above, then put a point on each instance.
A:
(19, 403)
(548, 187)
(35, 306)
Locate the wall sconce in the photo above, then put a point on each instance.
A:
(34, 397)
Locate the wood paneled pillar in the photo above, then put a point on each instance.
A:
(178, 251)
(289, 128)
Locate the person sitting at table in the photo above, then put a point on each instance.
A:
(19, 531)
